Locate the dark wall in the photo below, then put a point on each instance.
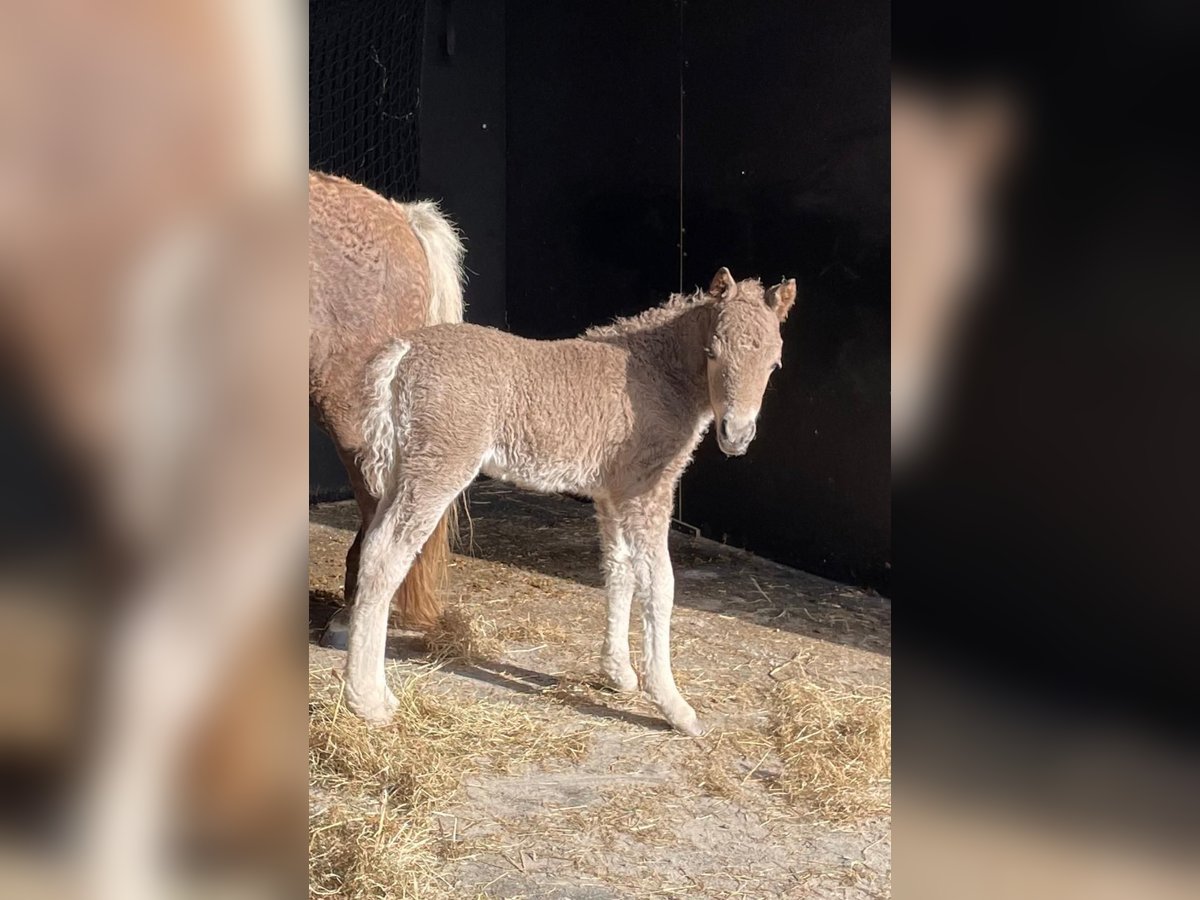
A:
(364, 91)
(593, 161)
(651, 143)
(786, 173)
(463, 139)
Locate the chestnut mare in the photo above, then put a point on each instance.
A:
(377, 270)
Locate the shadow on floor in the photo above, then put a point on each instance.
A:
(556, 536)
(322, 605)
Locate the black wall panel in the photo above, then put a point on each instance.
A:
(463, 139)
(785, 172)
(760, 141)
(593, 161)
(364, 91)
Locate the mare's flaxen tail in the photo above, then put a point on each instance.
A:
(444, 252)
(418, 602)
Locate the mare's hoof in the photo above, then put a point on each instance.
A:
(337, 631)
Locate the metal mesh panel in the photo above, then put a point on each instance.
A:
(364, 91)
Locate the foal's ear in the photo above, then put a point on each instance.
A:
(723, 286)
(781, 297)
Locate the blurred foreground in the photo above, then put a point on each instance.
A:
(152, 335)
(1045, 366)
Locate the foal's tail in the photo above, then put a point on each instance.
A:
(382, 418)
(417, 603)
(444, 252)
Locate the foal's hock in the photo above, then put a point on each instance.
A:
(614, 414)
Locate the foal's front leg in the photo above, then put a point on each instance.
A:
(618, 585)
(656, 585)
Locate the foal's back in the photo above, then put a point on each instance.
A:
(549, 415)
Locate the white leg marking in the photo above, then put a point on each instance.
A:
(618, 583)
(656, 584)
(389, 547)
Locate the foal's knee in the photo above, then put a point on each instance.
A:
(617, 564)
(653, 576)
(642, 564)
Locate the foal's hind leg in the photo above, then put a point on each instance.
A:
(407, 515)
(416, 603)
(618, 584)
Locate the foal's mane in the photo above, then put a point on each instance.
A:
(655, 317)
(675, 306)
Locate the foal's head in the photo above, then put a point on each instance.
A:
(743, 350)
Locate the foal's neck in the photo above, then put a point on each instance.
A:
(677, 348)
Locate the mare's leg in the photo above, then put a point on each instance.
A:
(618, 584)
(366, 511)
(407, 515)
(337, 629)
(647, 522)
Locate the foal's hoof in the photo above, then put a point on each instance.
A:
(687, 723)
(691, 727)
(625, 682)
(374, 710)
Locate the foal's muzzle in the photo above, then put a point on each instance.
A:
(734, 436)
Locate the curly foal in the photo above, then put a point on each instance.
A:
(614, 415)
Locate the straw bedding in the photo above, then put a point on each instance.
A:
(509, 768)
